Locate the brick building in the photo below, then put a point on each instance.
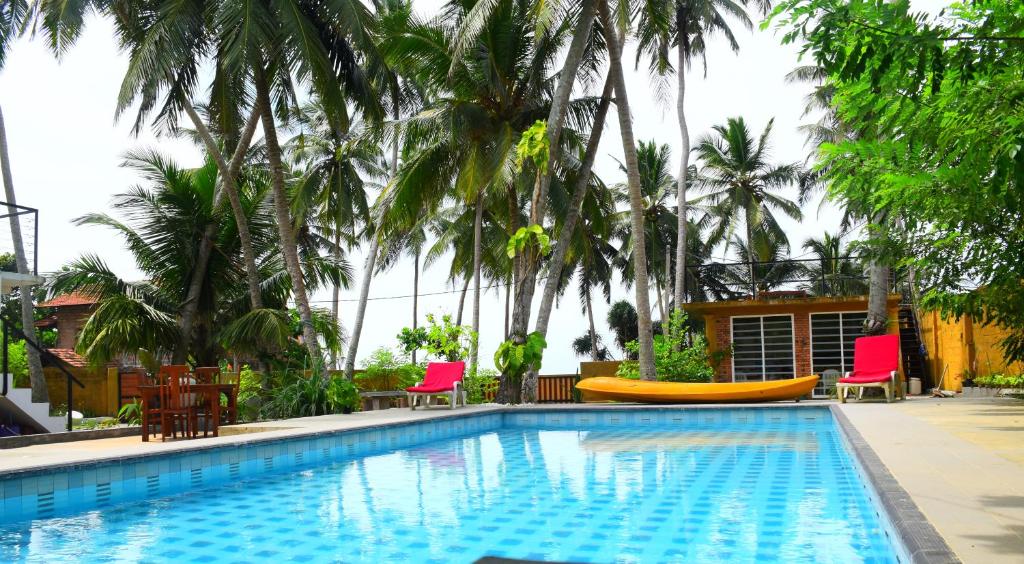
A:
(785, 335)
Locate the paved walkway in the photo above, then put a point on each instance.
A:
(962, 461)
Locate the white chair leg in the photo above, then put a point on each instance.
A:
(888, 392)
(451, 399)
(411, 398)
(841, 392)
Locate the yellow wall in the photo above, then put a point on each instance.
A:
(962, 346)
(98, 398)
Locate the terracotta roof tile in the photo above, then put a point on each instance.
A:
(73, 299)
(69, 356)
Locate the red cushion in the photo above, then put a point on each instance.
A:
(440, 377)
(867, 378)
(428, 389)
(874, 355)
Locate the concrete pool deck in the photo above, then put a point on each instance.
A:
(960, 460)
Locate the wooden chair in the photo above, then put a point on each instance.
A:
(130, 381)
(177, 402)
(206, 374)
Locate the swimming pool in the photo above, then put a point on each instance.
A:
(752, 485)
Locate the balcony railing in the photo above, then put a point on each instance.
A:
(28, 227)
(789, 278)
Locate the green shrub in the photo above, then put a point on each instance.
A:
(677, 358)
(514, 359)
(444, 341)
(131, 413)
(250, 388)
(1000, 381)
(387, 371)
(481, 387)
(17, 363)
(342, 395)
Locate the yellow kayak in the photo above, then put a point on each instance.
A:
(622, 389)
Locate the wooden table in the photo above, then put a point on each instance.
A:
(150, 395)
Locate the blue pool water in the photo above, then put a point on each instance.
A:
(716, 492)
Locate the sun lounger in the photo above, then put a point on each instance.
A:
(441, 379)
(876, 363)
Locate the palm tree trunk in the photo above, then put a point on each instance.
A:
(478, 220)
(371, 259)
(336, 294)
(751, 257)
(508, 300)
(560, 103)
(590, 319)
(878, 292)
(229, 176)
(668, 278)
(526, 281)
(190, 305)
(364, 294)
(37, 379)
(681, 204)
(289, 247)
(643, 306)
(415, 293)
(462, 300)
(557, 262)
(660, 303)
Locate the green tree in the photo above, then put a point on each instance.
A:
(658, 189)
(688, 26)
(15, 16)
(940, 98)
(614, 35)
(479, 99)
(743, 186)
(159, 230)
(835, 273)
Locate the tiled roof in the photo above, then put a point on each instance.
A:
(69, 356)
(73, 299)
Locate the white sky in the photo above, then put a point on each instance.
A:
(66, 149)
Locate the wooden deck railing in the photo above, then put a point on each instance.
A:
(553, 388)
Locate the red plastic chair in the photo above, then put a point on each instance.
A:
(876, 364)
(441, 379)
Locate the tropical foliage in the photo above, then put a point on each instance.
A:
(940, 97)
(468, 138)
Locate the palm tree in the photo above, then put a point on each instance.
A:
(744, 186)
(835, 273)
(771, 270)
(831, 129)
(658, 188)
(688, 26)
(338, 163)
(479, 100)
(159, 227)
(275, 45)
(615, 39)
(14, 15)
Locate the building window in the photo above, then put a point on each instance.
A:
(832, 336)
(762, 348)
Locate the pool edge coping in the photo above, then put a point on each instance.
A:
(915, 532)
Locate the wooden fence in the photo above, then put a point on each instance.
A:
(552, 388)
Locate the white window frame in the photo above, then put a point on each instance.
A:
(792, 334)
(842, 352)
